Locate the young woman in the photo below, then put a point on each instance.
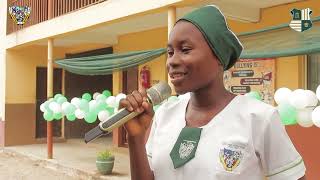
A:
(214, 134)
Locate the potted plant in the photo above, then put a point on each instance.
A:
(105, 162)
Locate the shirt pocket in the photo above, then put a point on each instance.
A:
(232, 157)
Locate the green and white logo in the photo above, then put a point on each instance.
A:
(301, 19)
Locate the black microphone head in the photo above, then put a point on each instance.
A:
(159, 93)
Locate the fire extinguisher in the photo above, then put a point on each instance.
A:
(145, 77)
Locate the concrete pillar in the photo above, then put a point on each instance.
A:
(49, 95)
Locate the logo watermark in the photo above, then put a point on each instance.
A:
(301, 19)
(19, 14)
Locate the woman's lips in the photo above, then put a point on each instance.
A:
(177, 78)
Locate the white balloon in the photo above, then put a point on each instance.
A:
(304, 118)
(111, 101)
(298, 99)
(119, 97)
(64, 107)
(79, 114)
(75, 101)
(316, 116)
(282, 95)
(95, 95)
(103, 115)
(42, 107)
(311, 98)
(92, 105)
(55, 107)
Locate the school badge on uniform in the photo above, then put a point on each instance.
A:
(230, 158)
(19, 14)
(186, 148)
(301, 19)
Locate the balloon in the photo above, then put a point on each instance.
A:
(110, 110)
(95, 95)
(75, 101)
(79, 114)
(61, 100)
(316, 116)
(298, 99)
(118, 98)
(57, 96)
(68, 108)
(93, 106)
(71, 117)
(282, 95)
(311, 98)
(111, 101)
(101, 105)
(107, 93)
(103, 115)
(57, 116)
(55, 107)
(44, 106)
(90, 117)
(304, 117)
(318, 92)
(254, 94)
(173, 98)
(84, 105)
(48, 115)
(287, 113)
(86, 96)
(101, 97)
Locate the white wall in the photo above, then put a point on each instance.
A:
(3, 22)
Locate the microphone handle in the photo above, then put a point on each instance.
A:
(117, 119)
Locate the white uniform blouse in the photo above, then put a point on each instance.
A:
(246, 136)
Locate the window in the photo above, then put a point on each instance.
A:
(313, 71)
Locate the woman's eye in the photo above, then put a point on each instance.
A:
(170, 53)
(186, 50)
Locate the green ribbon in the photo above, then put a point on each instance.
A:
(186, 146)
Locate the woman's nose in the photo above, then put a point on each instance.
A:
(174, 61)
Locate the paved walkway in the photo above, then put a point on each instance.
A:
(77, 159)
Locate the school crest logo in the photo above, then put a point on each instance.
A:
(186, 147)
(301, 19)
(230, 159)
(19, 14)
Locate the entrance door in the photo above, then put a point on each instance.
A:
(41, 95)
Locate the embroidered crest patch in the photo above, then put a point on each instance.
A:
(230, 158)
(186, 148)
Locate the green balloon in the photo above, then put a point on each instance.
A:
(107, 93)
(101, 97)
(101, 105)
(71, 117)
(110, 110)
(57, 96)
(288, 114)
(57, 116)
(87, 97)
(84, 105)
(254, 94)
(61, 100)
(70, 109)
(90, 117)
(48, 115)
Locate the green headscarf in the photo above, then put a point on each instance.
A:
(222, 41)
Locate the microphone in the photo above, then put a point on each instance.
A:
(155, 95)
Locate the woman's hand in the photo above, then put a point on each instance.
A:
(137, 101)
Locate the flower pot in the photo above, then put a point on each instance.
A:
(105, 166)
